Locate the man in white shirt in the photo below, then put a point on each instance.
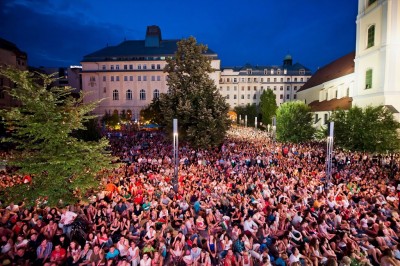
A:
(67, 217)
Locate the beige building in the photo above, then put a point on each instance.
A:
(244, 85)
(130, 75)
(10, 55)
(368, 76)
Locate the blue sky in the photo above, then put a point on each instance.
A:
(260, 32)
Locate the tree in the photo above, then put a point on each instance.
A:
(193, 98)
(294, 122)
(372, 129)
(62, 166)
(250, 110)
(268, 106)
(152, 112)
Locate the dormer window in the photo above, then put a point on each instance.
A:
(302, 72)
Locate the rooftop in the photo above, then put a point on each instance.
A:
(338, 68)
(334, 104)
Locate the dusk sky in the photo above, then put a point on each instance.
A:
(260, 32)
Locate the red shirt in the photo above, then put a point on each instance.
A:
(58, 255)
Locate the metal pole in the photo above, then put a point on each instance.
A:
(273, 132)
(176, 157)
(245, 120)
(329, 152)
(255, 123)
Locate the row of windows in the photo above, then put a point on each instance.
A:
(130, 78)
(255, 96)
(131, 67)
(256, 80)
(278, 72)
(262, 88)
(129, 95)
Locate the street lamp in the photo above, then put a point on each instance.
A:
(176, 159)
(245, 120)
(329, 151)
(273, 132)
(255, 123)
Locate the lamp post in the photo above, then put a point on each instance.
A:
(176, 159)
(255, 123)
(329, 151)
(245, 120)
(273, 132)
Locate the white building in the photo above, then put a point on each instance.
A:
(244, 85)
(129, 75)
(370, 76)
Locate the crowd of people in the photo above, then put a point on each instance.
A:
(251, 201)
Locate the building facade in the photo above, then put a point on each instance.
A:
(128, 76)
(10, 55)
(368, 76)
(65, 76)
(244, 85)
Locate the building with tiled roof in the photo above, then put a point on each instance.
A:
(244, 85)
(368, 76)
(129, 75)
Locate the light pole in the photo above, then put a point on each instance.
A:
(176, 158)
(255, 123)
(245, 120)
(273, 132)
(329, 151)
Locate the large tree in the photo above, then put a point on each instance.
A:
(268, 106)
(193, 98)
(294, 122)
(372, 129)
(43, 126)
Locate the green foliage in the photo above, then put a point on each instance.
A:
(62, 166)
(250, 110)
(294, 122)
(110, 120)
(152, 112)
(268, 106)
(193, 98)
(371, 129)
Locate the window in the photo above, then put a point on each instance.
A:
(117, 78)
(128, 95)
(117, 67)
(235, 96)
(316, 118)
(235, 80)
(242, 97)
(248, 88)
(370, 2)
(288, 79)
(144, 67)
(295, 96)
(265, 72)
(302, 72)
(125, 78)
(158, 78)
(139, 78)
(281, 96)
(295, 79)
(278, 72)
(368, 79)
(288, 88)
(115, 95)
(274, 88)
(326, 96)
(242, 88)
(153, 78)
(227, 97)
(274, 79)
(139, 67)
(336, 94)
(104, 78)
(268, 79)
(104, 67)
(249, 72)
(255, 79)
(255, 97)
(227, 88)
(262, 79)
(234, 88)
(295, 88)
(112, 67)
(325, 118)
(130, 78)
(144, 78)
(142, 95)
(371, 36)
(281, 88)
(248, 96)
(158, 66)
(281, 79)
(104, 90)
(272, 71)
(249, 80)
(130, 67)
(112, 78)
(125, 67)
(348, 92)
(156, 94)
(301, 79)
(153, 66)
(287, 96)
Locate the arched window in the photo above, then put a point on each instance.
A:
(115, 95)
(156, 94)
(371, 36)
(142, 95)
(129, 95)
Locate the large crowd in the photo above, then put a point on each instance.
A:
(251, 201)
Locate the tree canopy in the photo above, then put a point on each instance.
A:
(372, 129)
(294, 122)
(193, 98)
(250, 110)
(268, 106)
(43, 126)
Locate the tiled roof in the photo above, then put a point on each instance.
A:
(259, 70)
(135, 50)
(338, 68)
(334, 104)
